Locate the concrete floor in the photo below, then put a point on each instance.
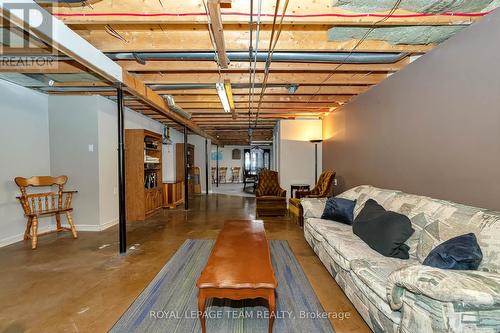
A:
(233, 189)
(84, 285)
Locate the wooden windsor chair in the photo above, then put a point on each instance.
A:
(37, 205)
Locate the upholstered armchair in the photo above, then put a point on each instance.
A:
(324, 188)
(271, 198)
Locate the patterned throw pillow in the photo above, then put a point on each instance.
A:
(313, 207)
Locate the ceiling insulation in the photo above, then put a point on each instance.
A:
(418, 6)
(412, 35)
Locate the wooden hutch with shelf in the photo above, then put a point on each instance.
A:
(143, 173)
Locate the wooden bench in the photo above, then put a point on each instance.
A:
(36, 205)
(239, 267)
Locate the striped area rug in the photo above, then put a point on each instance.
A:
(169, 303)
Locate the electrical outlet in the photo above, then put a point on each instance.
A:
(335, 182)
(91, 148)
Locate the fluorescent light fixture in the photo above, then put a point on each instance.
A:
(221, 91)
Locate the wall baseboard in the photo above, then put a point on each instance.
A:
(79, 227)
(19, 237)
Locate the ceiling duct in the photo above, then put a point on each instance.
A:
(315, 57)
(175, 108)
(326, 57)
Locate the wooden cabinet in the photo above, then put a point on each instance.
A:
(173, 194)
(143, 173)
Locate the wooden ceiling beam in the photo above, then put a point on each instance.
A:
(302, 105)
(42, 67)
(274, 78)
(302, 90)
(196, 38)
(267, 98)
(218, 32)
(137, 88)
(175, 66)
(178, 12)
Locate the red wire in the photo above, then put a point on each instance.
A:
(270, 15)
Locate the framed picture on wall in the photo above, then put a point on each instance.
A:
(216, 156)
(236, 154)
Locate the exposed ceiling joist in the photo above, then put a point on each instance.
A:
(218, 31)
(192, 12)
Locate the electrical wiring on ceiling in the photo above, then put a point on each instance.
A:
(272, 45)
(357, 15)
(360, 41)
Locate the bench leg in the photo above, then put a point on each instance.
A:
(201, 310)
(272, 310)
(34, 231)
(28, 228)
(71, 224)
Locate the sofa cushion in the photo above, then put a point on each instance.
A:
(339, 241)
(384, 231)
(418, 223)
(452, 220)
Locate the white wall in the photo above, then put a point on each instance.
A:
(76, 123)
(227, 159)
(199, 158)
(108, 155)
(296, 153)
(169, 170)
(72, 129)
(52, 135)
(24, 151)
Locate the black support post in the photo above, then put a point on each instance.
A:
(186, 170)
(217, 166)
(206, 166)
(315, 163)
(121, 174)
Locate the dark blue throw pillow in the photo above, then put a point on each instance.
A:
(339, 209)
(461, 253)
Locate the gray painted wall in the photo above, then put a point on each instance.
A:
(73, 127)
(24, 151)
(431, 129)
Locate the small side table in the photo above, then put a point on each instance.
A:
(300, 187)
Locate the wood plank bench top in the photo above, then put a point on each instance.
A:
(239, 267)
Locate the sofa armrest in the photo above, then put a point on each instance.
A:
(473, 288)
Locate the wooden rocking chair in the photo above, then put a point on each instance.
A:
(44, 204)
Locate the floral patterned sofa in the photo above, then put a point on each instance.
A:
(395, 295)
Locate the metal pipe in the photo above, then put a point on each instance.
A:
(121, 174)
(261, 56)
(354, 58)
(186, 170)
